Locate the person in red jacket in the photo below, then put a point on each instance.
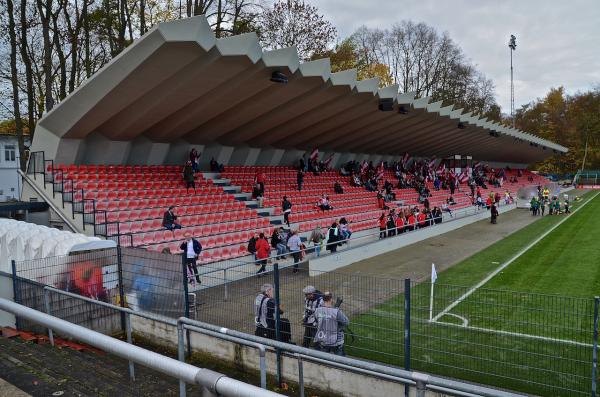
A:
(411, 222)
(260, 179)
(263, 250)
(382, 225)
(488, 202)
(421, 218)
(400, 223)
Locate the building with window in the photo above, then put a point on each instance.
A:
(10, 182)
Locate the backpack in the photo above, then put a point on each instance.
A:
(252, 245)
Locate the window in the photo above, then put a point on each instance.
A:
(9, 153)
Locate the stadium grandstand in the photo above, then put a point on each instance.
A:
(119, 142)
(221, 134)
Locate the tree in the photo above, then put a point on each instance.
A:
(421, 60)
(12, 32)
(345, 56)
(571, 121)
(294, 23)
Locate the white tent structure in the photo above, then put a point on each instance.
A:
(21, 241)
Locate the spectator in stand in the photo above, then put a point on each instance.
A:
(281, 242)
(286, 207)
(300, 179)
(333, 237)
(355, 181)
(479, 202)
(450, 201)
(436, 183)
(260, 178)
(426, 203)
(191, 250)
(494, 213)
(437, 215)
(400, 222)
(380, 200)
(452, 186)
(411, 221)
(337, 188)
(421, 219)
(447, 209)
(215, 166)
(188, 177)
(194, 157)
(317, 237)
(345, 230)
(294, 244)
(169, 218)
(262, 252)
(252, 246)
(391, 223)
(382, 225)
(488, 202)
(324, 203)
(478, 191)
(371, 185)
(302, 163)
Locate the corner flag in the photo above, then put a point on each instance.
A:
(433, 273)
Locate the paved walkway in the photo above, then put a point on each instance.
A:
(8, 390)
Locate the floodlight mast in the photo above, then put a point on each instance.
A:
(512, 44)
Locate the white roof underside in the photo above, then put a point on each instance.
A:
(179, 82)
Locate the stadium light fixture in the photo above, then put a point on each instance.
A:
(386, 104)
(278, 77)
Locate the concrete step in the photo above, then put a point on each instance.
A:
(243, 196)
(221, 182)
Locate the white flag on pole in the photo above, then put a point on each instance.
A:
(433, 273)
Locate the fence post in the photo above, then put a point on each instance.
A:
(16, 292)
(186, 301)
(595, 348)
(48, 312)
(121, 286)
(277, 319)
(406, 330)
(130, 341)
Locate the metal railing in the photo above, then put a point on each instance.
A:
(231, 265)
(421, 381)
(211, 382)
(38, 165)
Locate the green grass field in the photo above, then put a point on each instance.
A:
(528, 329)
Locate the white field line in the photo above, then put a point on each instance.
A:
(463, 319)
(496, 331)
(505, 264)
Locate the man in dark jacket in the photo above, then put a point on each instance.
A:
(300, 178)
(191, 250)
(169, 218)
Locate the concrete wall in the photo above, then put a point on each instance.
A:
(318, 376)
(344, 258)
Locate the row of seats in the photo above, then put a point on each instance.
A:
(120, 169)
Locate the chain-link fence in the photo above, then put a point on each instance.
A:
(533, 343)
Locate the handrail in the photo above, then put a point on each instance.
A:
(460, 214)
(421, 380)
(212, 382)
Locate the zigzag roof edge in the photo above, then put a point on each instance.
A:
(241, 45)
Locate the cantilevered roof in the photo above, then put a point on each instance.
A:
(179, 82)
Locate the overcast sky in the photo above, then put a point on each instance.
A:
(558, 42)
